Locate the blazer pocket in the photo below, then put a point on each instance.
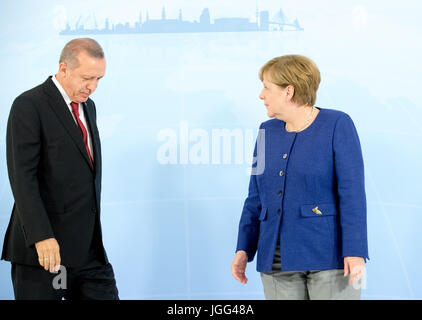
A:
(318, 210)
(263, 214)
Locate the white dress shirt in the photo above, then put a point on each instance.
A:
(81, 113)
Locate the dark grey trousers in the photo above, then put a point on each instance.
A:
(94, 282)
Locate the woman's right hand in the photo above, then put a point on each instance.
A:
(239, 266)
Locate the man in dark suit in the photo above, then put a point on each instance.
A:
(54, 166)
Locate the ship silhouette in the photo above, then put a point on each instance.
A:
(278, 22)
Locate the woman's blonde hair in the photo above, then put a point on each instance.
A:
(296, 70)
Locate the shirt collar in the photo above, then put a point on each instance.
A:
(61, 90)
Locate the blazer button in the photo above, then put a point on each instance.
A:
(94, 210)
(285, 156)
(281, 173)
(280, 193)
(278, 211)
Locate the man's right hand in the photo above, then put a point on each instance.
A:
(48, 254)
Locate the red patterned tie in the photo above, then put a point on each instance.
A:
(75, 110)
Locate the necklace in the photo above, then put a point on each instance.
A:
(307, 122)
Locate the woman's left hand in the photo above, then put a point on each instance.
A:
(355, 266)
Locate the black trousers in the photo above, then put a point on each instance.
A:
(93, 282)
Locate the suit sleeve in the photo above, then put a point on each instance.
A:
(23, 147)
(349, 170)
(249, 222)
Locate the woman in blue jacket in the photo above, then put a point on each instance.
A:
(305, 214)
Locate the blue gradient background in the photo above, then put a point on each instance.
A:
(170, 230)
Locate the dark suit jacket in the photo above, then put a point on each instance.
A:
(56, 192)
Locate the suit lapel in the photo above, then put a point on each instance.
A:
(91, 121)
(58, 105)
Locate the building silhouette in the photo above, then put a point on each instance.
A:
(164, 25)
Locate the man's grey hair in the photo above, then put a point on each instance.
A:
(71, 50)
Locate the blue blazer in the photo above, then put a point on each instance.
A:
(309, 192)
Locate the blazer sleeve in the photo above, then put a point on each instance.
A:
(349, 170)
(249, 222)
(23, 146)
